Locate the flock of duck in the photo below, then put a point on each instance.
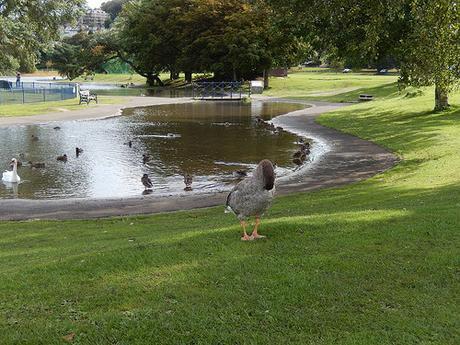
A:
(299, 157)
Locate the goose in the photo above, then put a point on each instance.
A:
(147, 182)
(129, 143)
(188, 180)
(12, 176)
(62, 158)
(252, 197)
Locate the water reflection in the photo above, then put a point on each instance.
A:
(209, 141)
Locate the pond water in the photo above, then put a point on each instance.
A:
(207, 140)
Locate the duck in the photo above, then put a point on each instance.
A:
(147, 182)
(34, 138)
(12, 176)
(240, 173)
(36, 165)
(252, 197)
(78, 151)
(297, 161)
(188, 180)
(57, 128)
(145, 158)
(62, 158)
(297, 154)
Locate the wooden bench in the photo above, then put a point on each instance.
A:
(364, 97)
(86, 97)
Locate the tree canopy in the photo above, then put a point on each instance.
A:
(421, 36)
(233, 39)
(28, 26)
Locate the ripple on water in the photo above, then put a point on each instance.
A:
(207, 140)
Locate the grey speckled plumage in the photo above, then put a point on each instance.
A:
(253, 195)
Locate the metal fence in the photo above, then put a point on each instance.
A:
(220, 90)
(33, 92)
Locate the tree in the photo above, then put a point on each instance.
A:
(233, 39)
(28, 26)
(431, 49)
(113, 7)
(79, 54)
(420, 35)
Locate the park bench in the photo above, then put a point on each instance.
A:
(364, 97)
(86, 97)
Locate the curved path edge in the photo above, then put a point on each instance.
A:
(346, 159)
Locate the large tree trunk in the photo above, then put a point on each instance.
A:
(173, 75)
(153, 79)
(266, 78)
(441, 98)
(188, 77)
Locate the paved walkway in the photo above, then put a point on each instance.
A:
(93, 112)
(345, 159)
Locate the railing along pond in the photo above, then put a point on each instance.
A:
(211, 90)
(31, 92)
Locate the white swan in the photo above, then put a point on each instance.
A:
(12, 176)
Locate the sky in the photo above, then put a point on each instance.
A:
(94, 3)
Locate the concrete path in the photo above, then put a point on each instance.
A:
(90, 112)
(345, 159)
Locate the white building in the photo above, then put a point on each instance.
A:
(93, 20)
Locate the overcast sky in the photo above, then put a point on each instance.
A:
(94, 3)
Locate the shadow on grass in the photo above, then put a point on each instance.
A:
(353, 261)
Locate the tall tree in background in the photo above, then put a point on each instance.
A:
(430, 52)
(232, 39)
(79, 54)
(28, 26)
(422, 36)
(113, 7)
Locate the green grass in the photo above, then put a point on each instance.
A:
(375, 262)
(113, 79)
(49, 107)
(330, 86)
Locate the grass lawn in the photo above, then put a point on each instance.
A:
(375, 262)
(331, 86)
(48, 107)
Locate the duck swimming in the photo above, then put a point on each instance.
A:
(12, 176)
(145, 158)
(62, 158)
(36, 165)
(240, 173)
(188, 180)
(147, 182)
(78, 151)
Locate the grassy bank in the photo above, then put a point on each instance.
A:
(332, 86)
(371, 263)
(51, 107)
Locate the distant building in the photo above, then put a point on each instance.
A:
(93, 20)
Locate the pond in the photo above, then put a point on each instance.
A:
(209, 141)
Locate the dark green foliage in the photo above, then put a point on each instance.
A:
(28, 26)
(79, 54)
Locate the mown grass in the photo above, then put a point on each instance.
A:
(51, 107)
(375, 262)
(331, 86)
